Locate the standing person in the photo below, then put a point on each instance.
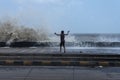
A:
(62, 40)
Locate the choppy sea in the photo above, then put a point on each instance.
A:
(90, 43)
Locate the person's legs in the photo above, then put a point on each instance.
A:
(61, 47)
(62, 44)
(64, 47)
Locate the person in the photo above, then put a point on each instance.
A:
(62, 40)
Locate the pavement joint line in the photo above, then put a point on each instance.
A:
(28, 73)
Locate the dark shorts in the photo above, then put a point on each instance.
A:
(62, 43)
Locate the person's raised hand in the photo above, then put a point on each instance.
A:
(68, 31)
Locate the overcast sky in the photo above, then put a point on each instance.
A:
(78, 16)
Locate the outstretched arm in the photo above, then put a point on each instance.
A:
(67, 33)
(57, 34)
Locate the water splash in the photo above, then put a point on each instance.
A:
(108, 38)
(69, 38)
(11, 32)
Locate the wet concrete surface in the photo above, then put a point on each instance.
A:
(59, 73)
(69, 50)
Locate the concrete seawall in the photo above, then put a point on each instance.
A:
(59, 63)
(51, 57)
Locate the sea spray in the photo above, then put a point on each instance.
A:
(108, 38)
(10, 33)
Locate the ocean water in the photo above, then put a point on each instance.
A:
(86, 43)
(88, 40)
(89, 43)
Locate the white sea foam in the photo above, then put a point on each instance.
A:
(107, 39)
(10, 32)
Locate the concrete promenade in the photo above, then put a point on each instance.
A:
(56, 72)
(59, 73)
(55, 50)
